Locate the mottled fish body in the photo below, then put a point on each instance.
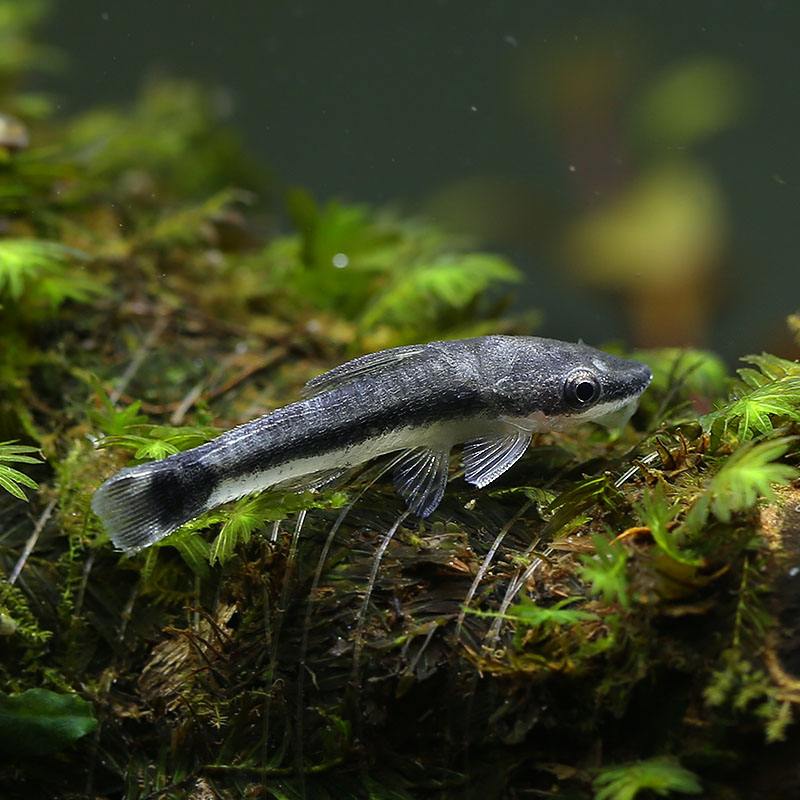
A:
(490, 393)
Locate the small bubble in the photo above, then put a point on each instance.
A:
(340, 260)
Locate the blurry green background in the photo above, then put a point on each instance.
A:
(639, 160)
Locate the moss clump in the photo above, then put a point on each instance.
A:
(614, 616)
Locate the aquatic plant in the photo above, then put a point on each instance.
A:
(612, 618)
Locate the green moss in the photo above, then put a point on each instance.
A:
(615, 603)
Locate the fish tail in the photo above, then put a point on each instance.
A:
(141, 505)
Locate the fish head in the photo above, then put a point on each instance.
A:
(560, 384)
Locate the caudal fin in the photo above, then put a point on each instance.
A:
(141, 505)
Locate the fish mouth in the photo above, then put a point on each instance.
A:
(607, 408)
(618, 416)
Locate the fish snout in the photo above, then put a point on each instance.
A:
(644, 376)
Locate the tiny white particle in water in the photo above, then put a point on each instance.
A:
(511, 40)
(105, 16)
(572, 168)
(473, 108)
(794, 571)
(340, 260)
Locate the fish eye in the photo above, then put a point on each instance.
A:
(581, 389)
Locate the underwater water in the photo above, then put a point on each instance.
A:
(636, 160)
(204, 208)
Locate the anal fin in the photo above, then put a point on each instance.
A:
(487, 459)
(315, 481)
(421, 478)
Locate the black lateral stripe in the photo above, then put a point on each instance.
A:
(339, 419)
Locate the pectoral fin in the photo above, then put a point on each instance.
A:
(420, 479)
(487, 459)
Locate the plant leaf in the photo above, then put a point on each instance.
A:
(194, 550)
(530, 615)
(427, 289)
(749, 475)
(40, 722)
(656, 512)
(754, 411)
(248, 514)
(12, 480)
(662, 776)
(605, 570)
(45, 272)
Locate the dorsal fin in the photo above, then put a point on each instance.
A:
(360, 367)
(487, 459)
(421, 478)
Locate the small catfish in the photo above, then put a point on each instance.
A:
(490, 393)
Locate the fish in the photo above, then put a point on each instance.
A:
(490, 394)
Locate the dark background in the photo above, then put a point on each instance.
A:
(515, 122)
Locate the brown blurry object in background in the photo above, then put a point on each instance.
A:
(659, 243)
